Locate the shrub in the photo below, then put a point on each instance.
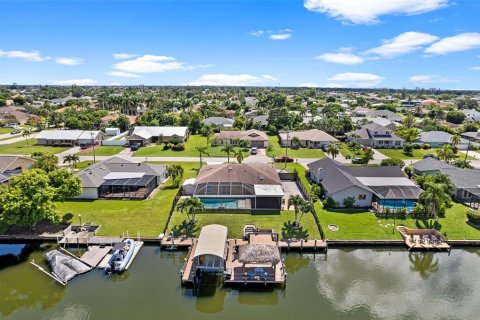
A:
(426, 146)
(473, 217)
(392, 162)
(178, 147)
(330, 203)
(417, 146)
(455, 117)
(349, 202)
(408, 149)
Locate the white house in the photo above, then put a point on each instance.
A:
(69, 137)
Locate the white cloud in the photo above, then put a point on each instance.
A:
(308, 85)
(123, 56)
(69, 61)
(460, 42)
(123, 74)
(33, 55)
(220, 79)
(351, 79)
(149, 64)
(476, 68)
(280, 36)
(269, 77)
(257, 33)
(368, 11)
(342, 57)
(430, 78)
(78, 82)
(402, 44)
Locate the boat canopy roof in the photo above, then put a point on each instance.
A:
(212, 241)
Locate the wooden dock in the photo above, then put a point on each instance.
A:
(423, 239)
(95, 255)
(79, 239)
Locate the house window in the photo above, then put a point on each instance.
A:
(397, 143)
(362, 197)
(466, 194)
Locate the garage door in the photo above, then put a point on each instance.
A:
(258, 144)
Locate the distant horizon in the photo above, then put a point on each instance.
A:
(311, 43)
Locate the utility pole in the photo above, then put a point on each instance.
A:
(93, 145)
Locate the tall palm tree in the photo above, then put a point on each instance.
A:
(434, 198)
(455, 140)
(228, 149)
(202, 150)
(367, 155)
(26, 134)
(297, 202)
(189, 206)
(176, 172)
(239, 155)
(75, 159)
(333, 149)
(446, 153)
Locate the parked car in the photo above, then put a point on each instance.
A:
(430, 155)
(254, 150)
(283, 159)
(84, 146)
(16, 131)
(13, 125)
(357, 161)
(135, 146)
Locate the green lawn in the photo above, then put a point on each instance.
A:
(357, 224)
(277, 150)
(156, 150)
(20, 147)
(345, 151)
(417, 153)
(149, 216)
(103, 151)
(80, 165)
(4, 130)
(236, 221)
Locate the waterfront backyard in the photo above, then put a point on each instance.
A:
(149, 217)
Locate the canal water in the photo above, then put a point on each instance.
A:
(349, 284)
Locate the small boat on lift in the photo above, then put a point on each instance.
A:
(122, 253)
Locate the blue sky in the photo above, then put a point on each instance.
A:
(344, 43)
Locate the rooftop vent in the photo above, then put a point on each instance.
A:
(230, 168)
(262, 177)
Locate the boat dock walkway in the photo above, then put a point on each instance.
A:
(95, 255)
(86, 240)
(138, 246)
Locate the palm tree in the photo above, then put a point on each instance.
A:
(455, 140)
(446, 153)
(189, 206)
(26, 134)
(295, 142)
(367, 155)
(75, 159)
(333, 149)
(239, 155)
(176, 172)
(434, 198)
(228, 149)
(297, 202)
(68, 158)
(202, 150)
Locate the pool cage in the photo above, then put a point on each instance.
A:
(224, 189)
(394, 198)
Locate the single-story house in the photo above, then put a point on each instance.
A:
(255, 138)
(14, 115)
(471, 136)
(466, 181)
(146, 135)
(472, 115)
(437, 139)
(379, 187)
(313, 138)
(69, 137)
(392, 116)
(219, 122)
(239, 186)
(11, 166)
(375, 136)
(112, 117)
(118, 178)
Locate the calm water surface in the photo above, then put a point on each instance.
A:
(350, 284)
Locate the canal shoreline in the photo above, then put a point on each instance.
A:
(330, 243)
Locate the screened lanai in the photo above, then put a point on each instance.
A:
(224, 189)
(128, 186)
